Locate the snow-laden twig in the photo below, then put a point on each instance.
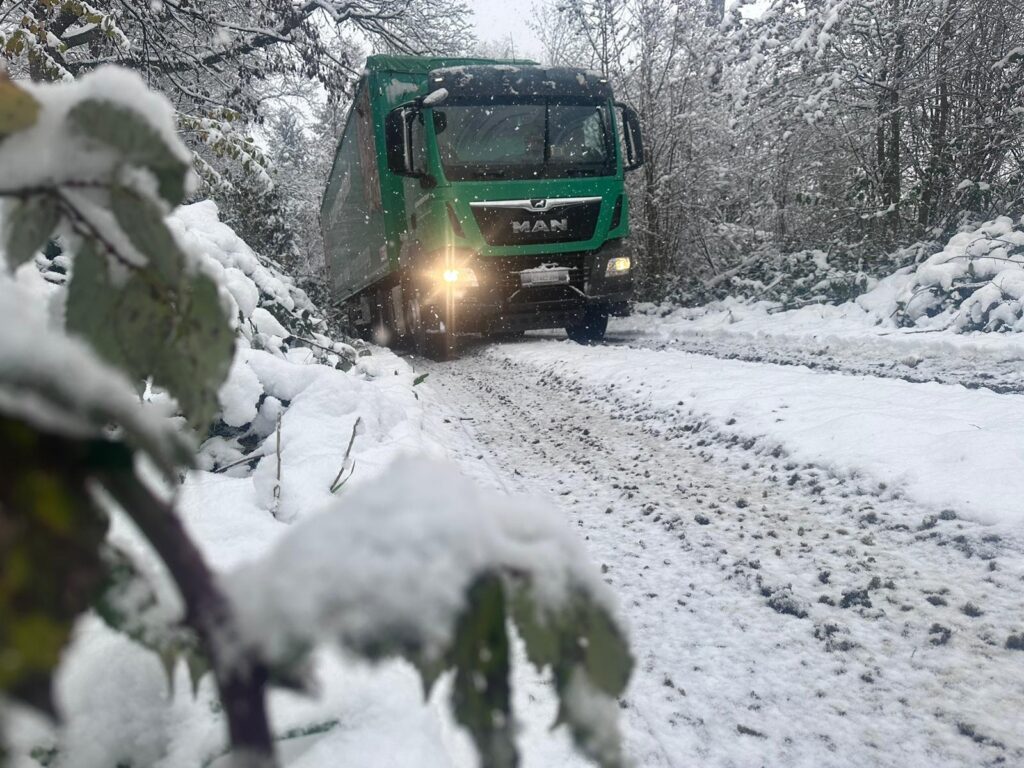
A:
(338, 482)
(276, 506)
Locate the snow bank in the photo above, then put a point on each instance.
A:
(395, 559)
(275, 321)
(864, 328)
(975, 283)
(270, 310)
(943, 446)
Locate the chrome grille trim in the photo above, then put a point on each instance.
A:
(538, 205)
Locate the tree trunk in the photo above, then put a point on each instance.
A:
(937, 169)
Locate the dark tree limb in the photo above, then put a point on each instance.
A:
(241, 679)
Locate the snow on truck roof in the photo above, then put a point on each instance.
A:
(481, 81)
(426, 64)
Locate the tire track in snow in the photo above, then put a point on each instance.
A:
(778, 617)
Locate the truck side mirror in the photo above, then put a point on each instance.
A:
(398, 137)
(632, 138)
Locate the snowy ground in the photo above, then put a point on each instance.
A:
(817, 568)
(785, 610)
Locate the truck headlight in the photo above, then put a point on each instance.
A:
(463, 277)
(620, 265)
(450, 268)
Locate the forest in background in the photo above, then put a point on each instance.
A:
(869, 131)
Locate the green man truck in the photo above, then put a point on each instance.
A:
(475, 196)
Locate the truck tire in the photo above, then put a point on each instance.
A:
(432, 344)
(416, 331)
(591, 328)
(441, 346)
(381, 332)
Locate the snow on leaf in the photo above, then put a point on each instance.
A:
(435, 568)
(139, 143)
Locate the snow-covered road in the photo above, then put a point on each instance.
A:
(829, 338)
(784, 612)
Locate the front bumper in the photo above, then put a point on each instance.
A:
(500, 303)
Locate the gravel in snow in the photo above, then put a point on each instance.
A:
(781, 613)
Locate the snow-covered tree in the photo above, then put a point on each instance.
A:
(216, 60)
(854, 127)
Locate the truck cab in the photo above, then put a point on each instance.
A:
(508, 207)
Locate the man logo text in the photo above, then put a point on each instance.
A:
(532, 227)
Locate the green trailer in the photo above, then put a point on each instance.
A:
(473, 196)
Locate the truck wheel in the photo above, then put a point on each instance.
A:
(433, 344)
(441, 346)
(380, 332)
(590, 328)
(416, 331)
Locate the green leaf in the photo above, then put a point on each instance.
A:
(29, 224)
(177, 334)
(583, 646)
(126, 595)
(128, 132)
(45, 756)
(128, 324)
(144, 319)
(89, 311)
(481, 689)
(583, 634)
(203, 345)
(47, 516)
(19, 110)
(420, 379)
(143, 222)
(197, 666)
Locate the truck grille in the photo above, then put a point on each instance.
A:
(518, 222)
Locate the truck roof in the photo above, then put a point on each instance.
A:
(422, 65)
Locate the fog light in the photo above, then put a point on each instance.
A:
(451, 275)
(618, 266)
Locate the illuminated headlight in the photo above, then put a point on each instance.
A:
(464, 277)
(618, 266)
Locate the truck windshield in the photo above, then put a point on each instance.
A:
(524, 141)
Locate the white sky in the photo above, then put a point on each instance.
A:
(497, 19)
